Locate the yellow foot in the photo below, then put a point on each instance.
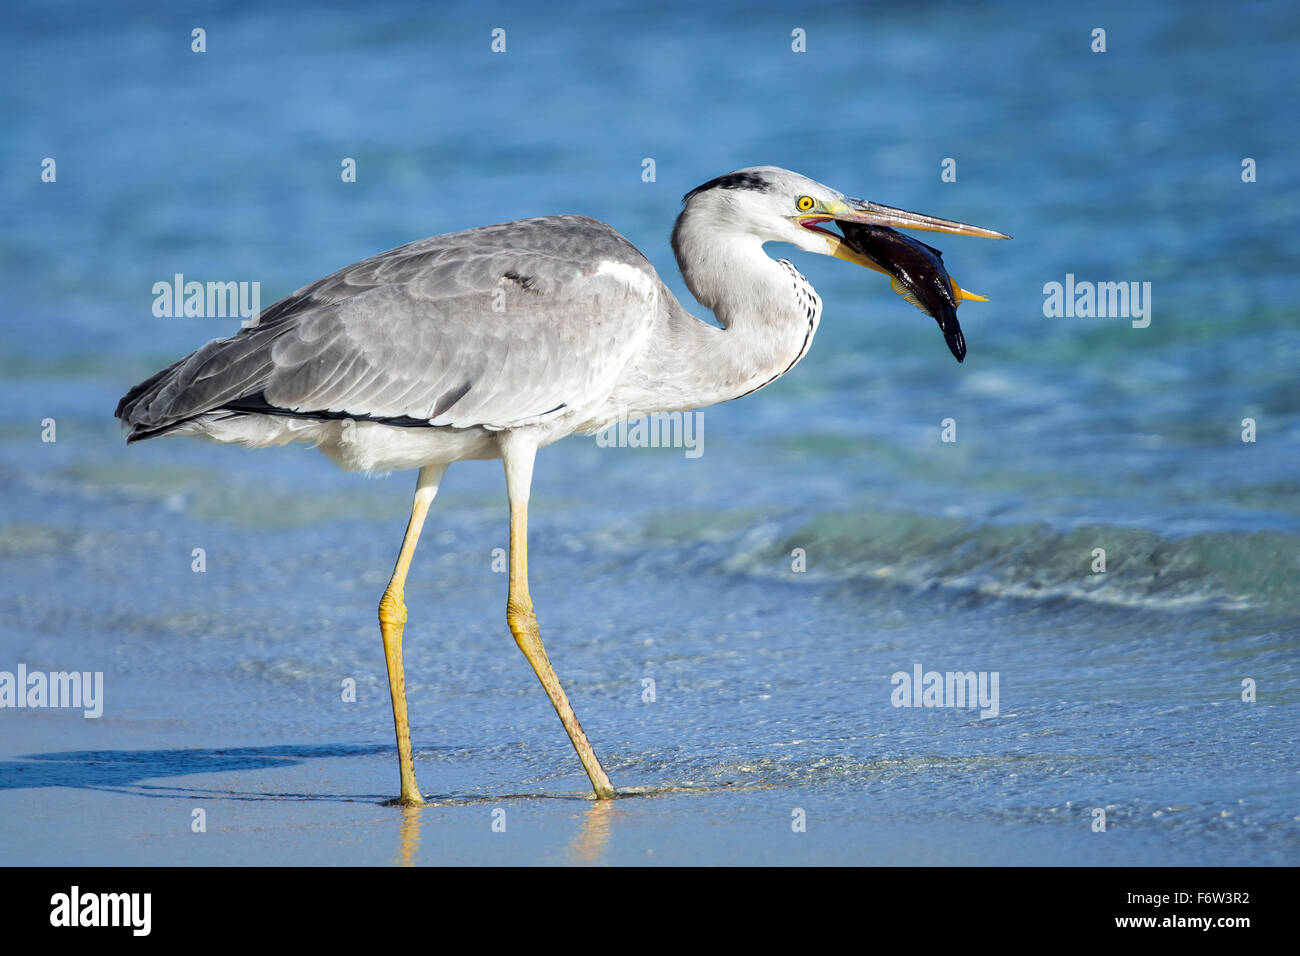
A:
(407, 801)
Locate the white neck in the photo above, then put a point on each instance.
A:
(768, 313)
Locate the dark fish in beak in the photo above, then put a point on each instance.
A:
(917, 274)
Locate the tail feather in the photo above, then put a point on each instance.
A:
(130, 409)
(220, 372)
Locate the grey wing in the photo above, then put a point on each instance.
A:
(496, 326)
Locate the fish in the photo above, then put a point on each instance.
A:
(916, 273)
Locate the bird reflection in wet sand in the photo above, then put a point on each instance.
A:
(586, 848)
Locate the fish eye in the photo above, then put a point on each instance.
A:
(805, 203)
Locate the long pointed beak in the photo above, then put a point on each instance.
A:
(873, 213)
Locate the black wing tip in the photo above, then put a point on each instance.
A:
(143, 434)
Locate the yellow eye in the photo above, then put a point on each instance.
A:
(805, 203)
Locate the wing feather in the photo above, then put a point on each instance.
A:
(494, 326)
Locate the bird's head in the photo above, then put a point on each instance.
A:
(776, 205)
(771, 204)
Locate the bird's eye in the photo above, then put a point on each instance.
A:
(805, 203)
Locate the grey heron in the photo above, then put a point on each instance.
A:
(493, 342)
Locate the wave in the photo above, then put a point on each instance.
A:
(1222, 570)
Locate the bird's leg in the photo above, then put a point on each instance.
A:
(523, 621)
(392, 621)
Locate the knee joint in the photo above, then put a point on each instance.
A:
(392, 609)
(521, 617)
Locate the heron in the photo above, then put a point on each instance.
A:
(496, 341)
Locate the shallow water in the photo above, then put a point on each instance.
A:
(772, 687)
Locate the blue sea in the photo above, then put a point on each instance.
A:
(1111, 530)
